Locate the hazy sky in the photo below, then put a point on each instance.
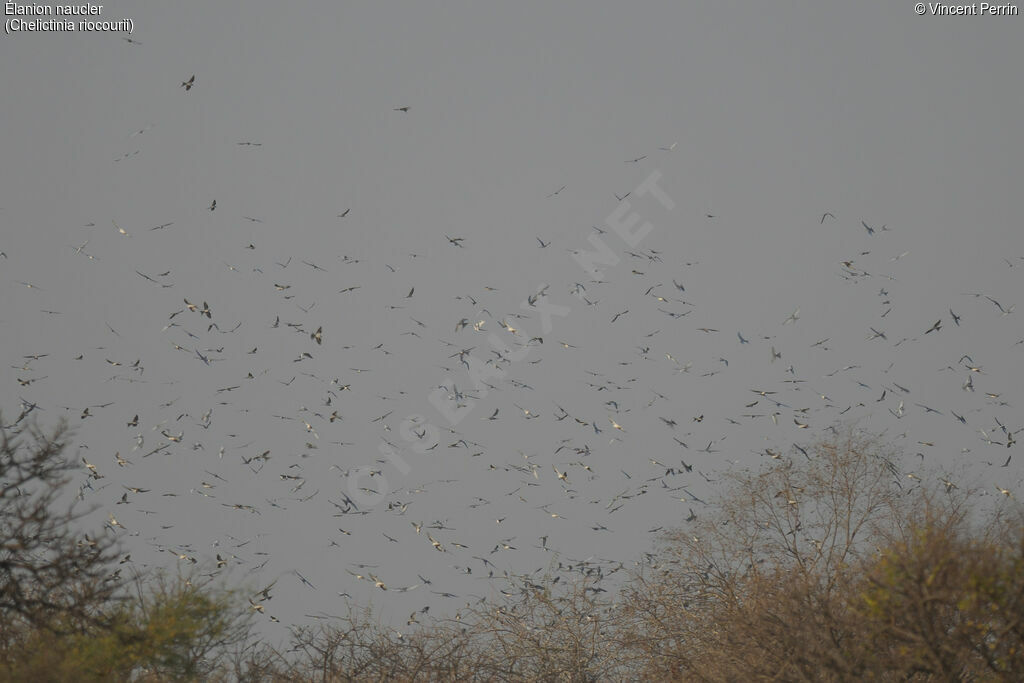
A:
(734, 126)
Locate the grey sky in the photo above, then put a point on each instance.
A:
(778, 114)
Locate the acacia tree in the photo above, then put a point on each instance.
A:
(51, 575)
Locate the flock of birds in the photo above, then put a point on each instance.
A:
(292, 450)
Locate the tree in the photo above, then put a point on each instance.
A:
(50, 573)
(944, 597)
(175, 628)
(826, 566)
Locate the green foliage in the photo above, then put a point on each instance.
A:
(173, 629)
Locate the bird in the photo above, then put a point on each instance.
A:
(402, 109)
(1005, 311)
(303, 579)
(825, 215)
(187, 85)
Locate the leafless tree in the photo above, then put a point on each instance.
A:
(51, 573)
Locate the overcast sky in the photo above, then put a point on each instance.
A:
(757, 140)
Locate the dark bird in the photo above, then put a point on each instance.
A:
(825, 215)
(1004, 311)
(402, 109)
(187, 85)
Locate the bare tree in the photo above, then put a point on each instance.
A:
(51, 574)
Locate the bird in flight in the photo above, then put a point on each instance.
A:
(1004, 311)
(457, 241)
(555, 192)
(402, 109)
(871, 231)
(825, 215)
(187, 85)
